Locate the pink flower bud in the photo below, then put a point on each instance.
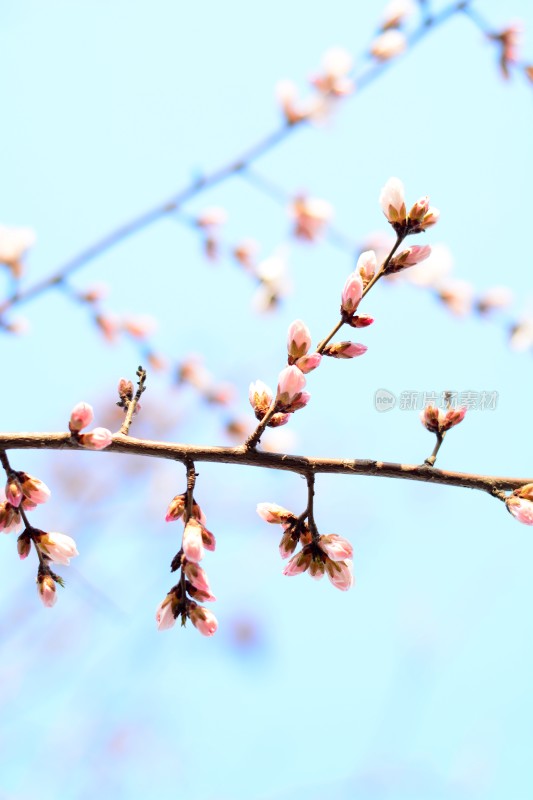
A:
(208, 539)
(345, 350)
(273, 513)
(197, 576)
(10, 519)
(521, 508)
(24, 545)
(408, 258)
(165, 613)
(47, 590)
(366, 266)
(176, 508)
(337, 548)
(396, 12)
(97, 439)
(289, 542)
(388, 44)
(212, 217)
(14, 493)
(80, 416)
(429, 219)
(438, 421)
(392, 201)
(204, 620)
(360, 321)
(311, 216)
(57, 547)
(34, 490)
(299, 563)
(298, 339)
(276, 420)
(192, 544)
(352, 293)
(340, 574)
(291, 382)
(261, 398)
(308, 363)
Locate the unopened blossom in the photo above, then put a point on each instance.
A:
(10, 519)
(34, 490)
(176, 508)
(109, 326)
(14, 242)
(204, 620)
(299, 563)
(97, 439)
(289, 542)
(275, 514)
(311, 215)
(408, 258)
(24, 545)
(494, 299)
(345, 350)
(366, 266)
(298, 339)
(197, 576)
(438, 421)
(165, 612)
(192, 543)
(139, 327)
(389, 44)
(352, 293)
(95, 293)
(336, 547)
(360, 321)
(340, 573)
(261, 397)
(334, 79)
(80, 417)
(291, 382)
(295, 110)
(308, 363)
(46, 586)
(246, 253)
(520, 504)
(208, 539)
(212, 217)
(14, 493)
(396, 12)
(457, 296)
(57, 547)
(392, 201)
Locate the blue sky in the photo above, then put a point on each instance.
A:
(417, 682)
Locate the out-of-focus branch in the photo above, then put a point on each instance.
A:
(240, 456)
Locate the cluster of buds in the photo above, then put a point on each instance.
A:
(193, 580)
(520, 504)
(391, 40)
(209, 222)
(319, 555)
(14, 242)
(420, 217)
(24, 493)
(438, 421)
(311, 216)
(332, 83)
(80, 417)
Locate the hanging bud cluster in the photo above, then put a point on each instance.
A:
(319, 555)
(420, 217)
(193, 587)
(438, 421)
(23, 494)
(80, 417)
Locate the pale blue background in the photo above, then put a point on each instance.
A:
(417, 683)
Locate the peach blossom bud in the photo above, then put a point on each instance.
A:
(80, 416)
(299, 563)
(212, 217)
(429, 219)
(366, 266)
(430, 418)
(317, 567)
(453, 417)
(360, 321)
(277, 420)
(203, 620)
(288, 543)
(521, 508)
(10, 519)
(125, 389)
(291, 382)
(345, 350)
(165, 613)
(273, 513)
(336, 547)
(494, 299)
(24, 545)
(392, 201)
(388, 44)
(95, 293)
(261, 397)
(246, 252)
(197, 576)
(208, 539)
(197, 512)
(457, 296)
(97, 439)
(192, 543)
(352, 293)
(298, 339)
(293, 109)
(334, 80)
(340, 574)
(34, 490)
(438, 421)
(199, 594)
(14, 242)
(311, 216)
(300, 401)
(308, 363)
(396, 12)
(408, 258)
(419, 209)
(140, 327)
(14, 493)
(57, 547)
(47, 590)
(108, 325)
(176, 508)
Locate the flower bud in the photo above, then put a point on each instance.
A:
(336, 547)
(388, 44)
(24, 545)
(192, 543)
(308, 363)
(176, 508)
(298, 339)
(97, 439)
(165, 613)
(47, 590)
(408, 258)
(34, 490)
(299, 563)
(345, 350)
(57, 547)
(273, 513)
(340, 574)
(260, 396)
(352, 293)
(366, 266)
(204, 620)
(291, 382)
(14, 493)
(10, 519)
(80, 416)
(392, 201)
